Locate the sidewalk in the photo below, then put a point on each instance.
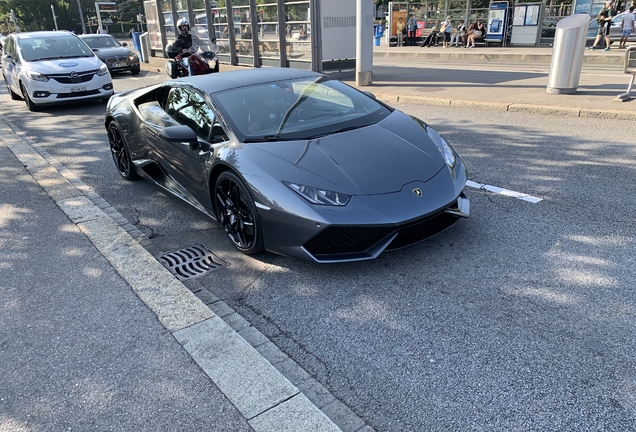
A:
(455, 78)
(97, 334)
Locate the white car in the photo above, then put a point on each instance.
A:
(50, 67)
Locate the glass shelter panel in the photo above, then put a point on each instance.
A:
(242, 22)
(268, 30)
(297, 30)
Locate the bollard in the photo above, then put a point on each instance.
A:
(567, 54)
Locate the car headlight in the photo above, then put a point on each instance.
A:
(443, 147)
(36, 76)
(133, 56)
(103, 70)
(319, 196)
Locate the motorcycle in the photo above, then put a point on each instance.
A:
(199, 59)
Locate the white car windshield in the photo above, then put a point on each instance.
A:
(53, 48)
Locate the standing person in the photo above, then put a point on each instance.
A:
(604, 20)
(400, 28)
(411, 29)
(447, 26)
(627, 26)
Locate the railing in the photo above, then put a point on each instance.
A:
(629, 68)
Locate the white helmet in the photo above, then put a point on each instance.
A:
(183, 26)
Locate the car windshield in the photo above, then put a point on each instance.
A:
(303, 108)
(99, 42)
(53, 48)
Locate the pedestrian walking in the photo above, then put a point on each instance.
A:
(411, 29)
(604, 20)
(627, 26)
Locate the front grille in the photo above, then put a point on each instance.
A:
(191, 262)
(337, 240)
(116, 59)
(77, 94)
(68, 79)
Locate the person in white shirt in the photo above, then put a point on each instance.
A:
(628, 26)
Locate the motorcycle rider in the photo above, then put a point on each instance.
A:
(184, 41)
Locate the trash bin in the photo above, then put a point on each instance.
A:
(567, 54)
(378, 32)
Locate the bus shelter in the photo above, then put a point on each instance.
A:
(308, 34)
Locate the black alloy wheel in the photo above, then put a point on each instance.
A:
(14, 95)
(135, 70)
(25, 95)
(236, 212)
(119, 151)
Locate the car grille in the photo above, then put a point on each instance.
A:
(116, 59)
(338, 240)
(68, 79)
(77, 94)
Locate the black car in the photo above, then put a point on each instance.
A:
(116, 56)
(291, 161)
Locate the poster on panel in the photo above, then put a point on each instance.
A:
(497, 21)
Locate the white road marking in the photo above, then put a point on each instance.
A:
(502, 191)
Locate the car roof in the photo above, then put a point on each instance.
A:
(214, 83)
(41, 34)
(93, 35)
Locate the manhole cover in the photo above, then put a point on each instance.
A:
(191, 262)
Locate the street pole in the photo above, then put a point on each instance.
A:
(15, 21)
(54, 17)
(364, 42)
(79, 7)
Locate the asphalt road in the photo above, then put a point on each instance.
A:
(520, 318)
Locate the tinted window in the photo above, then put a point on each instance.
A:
(101, 42)
(190, 109)
(298, 109)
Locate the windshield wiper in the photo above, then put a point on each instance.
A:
(344, 129)
(267, 138)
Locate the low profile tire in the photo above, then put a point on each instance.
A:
(237, 214)
(119, 151)
(25, 95)
(135, 71)
(14, 95)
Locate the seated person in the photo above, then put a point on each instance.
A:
(457, 38)
(433, 36)
(478, 31)
(302, 35)
(268, 110)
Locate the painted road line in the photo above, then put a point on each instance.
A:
(502, 191)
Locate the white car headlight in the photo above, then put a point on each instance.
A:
(103, 70)
(133, 56)
(36, 76)
(319, 196)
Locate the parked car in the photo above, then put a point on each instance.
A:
(615, 31)
(291, 161)
(116, 56)
(51, 67)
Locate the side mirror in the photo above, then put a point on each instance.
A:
(124, 44)
(181, 135)
(368, 93)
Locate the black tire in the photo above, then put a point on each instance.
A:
(237, 214)
(14, 95)
(135, 71)
(121, 154)
(25, 95)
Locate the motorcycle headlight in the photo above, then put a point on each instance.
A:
(103, 70)
(36, 76)
(319, 196)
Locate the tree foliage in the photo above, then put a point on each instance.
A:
(37, 14)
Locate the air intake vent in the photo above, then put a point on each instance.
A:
(191, 262)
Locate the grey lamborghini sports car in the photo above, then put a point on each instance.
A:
(291, 161)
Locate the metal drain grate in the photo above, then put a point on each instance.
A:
(191, 262)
